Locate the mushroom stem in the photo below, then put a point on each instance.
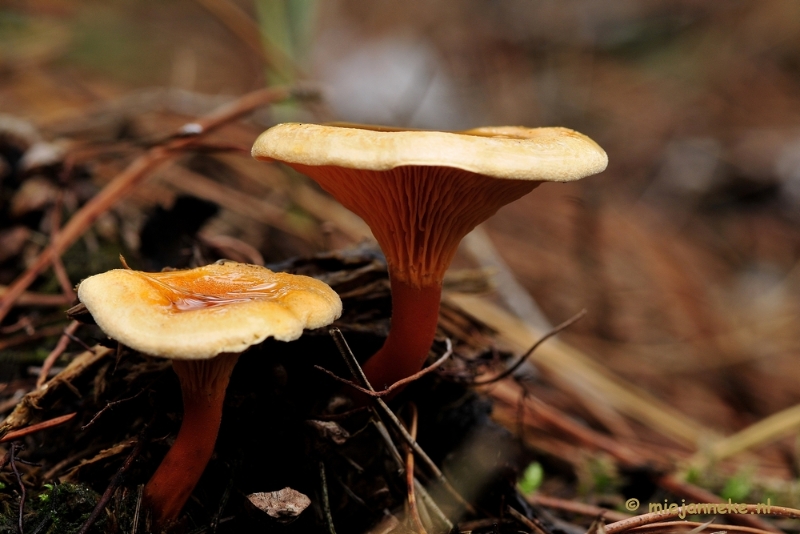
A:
(203, 385)
(415, 313)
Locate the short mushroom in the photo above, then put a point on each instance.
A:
(421, 192)
(201, 319)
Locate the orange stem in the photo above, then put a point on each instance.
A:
(415, 314)
(203, 385)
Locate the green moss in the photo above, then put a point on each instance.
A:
(598, 475)
(57, 509)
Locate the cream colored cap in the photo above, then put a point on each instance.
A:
(200, 313)
(514, 152)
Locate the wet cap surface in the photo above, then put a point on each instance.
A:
(199, 313)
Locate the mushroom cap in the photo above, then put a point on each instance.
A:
(514, 152)
(420, 192)
(200, 313)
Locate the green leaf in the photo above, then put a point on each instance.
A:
(738, 487)
(531, 479)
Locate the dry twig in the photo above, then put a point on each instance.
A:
(47, 331)
(326, 505)
(671, 527)
(575, 507)
(59, 349)
(508, 392)
(22, 493)
(111, 405)
(657, 517)
(36, 400)
(697, 494)
(396, 385)
(29, 298)
(58, 266)
(50, 423)
(577, 373)
(113, 485)
(513, 367)
(138, 510)
(413, 511)
(358, 373)
(535, 526)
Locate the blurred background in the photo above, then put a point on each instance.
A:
(684, 252)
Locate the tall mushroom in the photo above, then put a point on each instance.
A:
(201, 319)
(421, 192)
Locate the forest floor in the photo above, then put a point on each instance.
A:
(678, 386)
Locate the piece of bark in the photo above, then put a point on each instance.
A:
(284, 505)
